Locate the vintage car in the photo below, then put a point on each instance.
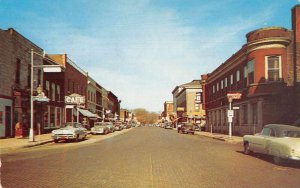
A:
(118, 126)
(277, 140)
(168, 125)
(100, 128)
(110, 126)
(70, 131)
(185, 128)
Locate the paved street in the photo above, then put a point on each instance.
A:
(145, 157)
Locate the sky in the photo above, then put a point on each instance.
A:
(142, 49)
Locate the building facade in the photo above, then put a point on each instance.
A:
(168, 113)
(15, 75)
(266, 71)
(187, 100)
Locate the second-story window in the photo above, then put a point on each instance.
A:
(218, 86)
(231, 79)
(18, 71)
(53, 91)
(273, 68)
(222, 84)
(47, 89)
(214, 89)
(225, 82)
(250, 70)
(58, 92)
(238, 75)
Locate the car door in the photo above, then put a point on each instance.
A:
(261, 140)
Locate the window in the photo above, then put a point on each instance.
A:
(58, 92)
(47, 89)
(225, 82)
(18, 71)
(273, 68)
(218, 86)
(214, 89)
(250, 68)
(245, 72)
(29, 75)
(222, 84)
(39, 77)
(231, 79)
(266, 131)
(237, 75)
(53, 91)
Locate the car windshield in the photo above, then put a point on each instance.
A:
(71, 125)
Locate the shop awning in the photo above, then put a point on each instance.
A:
(87, 113)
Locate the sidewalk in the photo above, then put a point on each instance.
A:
(221, 137)
(9, 144)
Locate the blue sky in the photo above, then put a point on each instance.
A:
(142, 49)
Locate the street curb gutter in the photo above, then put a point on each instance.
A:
(38, 144)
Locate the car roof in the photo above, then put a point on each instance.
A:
(281, 127)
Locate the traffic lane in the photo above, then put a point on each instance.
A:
(153, 157)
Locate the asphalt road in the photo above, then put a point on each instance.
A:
(145, 157)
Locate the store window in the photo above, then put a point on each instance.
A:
(250, 68)
(52, 116)
(273, 68)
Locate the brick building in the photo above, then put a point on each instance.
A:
(266, 70)
(168, 112)
(15, 76)
(75, 82)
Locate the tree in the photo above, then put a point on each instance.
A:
(143, 116)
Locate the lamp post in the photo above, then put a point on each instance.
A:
(46, 68)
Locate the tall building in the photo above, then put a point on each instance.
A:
(187, 100)
(168, 113)
(266, 71)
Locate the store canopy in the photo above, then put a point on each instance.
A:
(87, 113)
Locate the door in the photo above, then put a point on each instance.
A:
(8, 126)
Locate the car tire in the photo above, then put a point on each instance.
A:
(247, 150)
(77, 138)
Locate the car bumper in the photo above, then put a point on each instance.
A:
(98, 132)
(294, 158)
(63, 137)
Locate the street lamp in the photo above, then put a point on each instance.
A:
(46, 68)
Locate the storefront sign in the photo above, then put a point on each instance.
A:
(75, 99)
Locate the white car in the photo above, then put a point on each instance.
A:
(277, 140)
(70, 131)
(100, 128)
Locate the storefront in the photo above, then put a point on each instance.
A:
(6, 126)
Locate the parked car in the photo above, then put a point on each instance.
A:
(100, 128)
(110, 126)
(278, 140)
(168, 125)
(185, 128)
(70, 131)
(118, 126)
